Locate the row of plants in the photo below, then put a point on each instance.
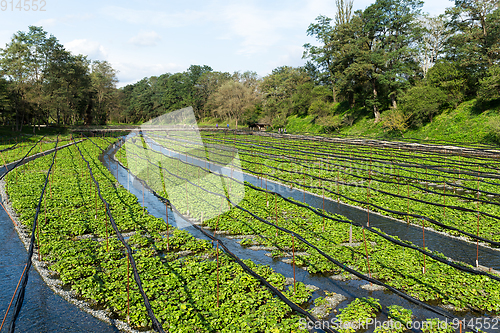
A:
(361, 312)
(179, 273)
(20, 150)
(451, 158)
(402, 197)
(399, 267)
(419, 164)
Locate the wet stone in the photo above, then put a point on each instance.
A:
(372, 287)
(332, 301)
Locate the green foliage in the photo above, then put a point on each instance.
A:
(358, 312)
(474, 39)
(489, 86)
(448, 78)
(182, 290)
(422, 103)
(400, 320)
(395, 120)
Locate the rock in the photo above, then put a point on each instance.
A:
(372, 287)
(332, 301)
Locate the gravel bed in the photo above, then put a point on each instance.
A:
(240, 236)
(264, 248)
(332, 301)
(372, 287)
(289, 282)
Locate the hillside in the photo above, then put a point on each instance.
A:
(463, 124)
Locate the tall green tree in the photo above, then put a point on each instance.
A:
(324, 55)
(278, 88)
(24, 62)
(207, 84)
(103, 80)
(195, 72)
(67, 88)
(327, 55)
(392, 31)
(177, 92)
(475, 42)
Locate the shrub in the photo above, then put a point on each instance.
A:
(395, 120)
(422, 103)
(447, 77)
(330, 123)
(489, 86)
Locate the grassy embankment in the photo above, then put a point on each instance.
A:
(466, 123)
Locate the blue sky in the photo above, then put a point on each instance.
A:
(150, 37)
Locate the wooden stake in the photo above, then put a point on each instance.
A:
(323, 190)
(293, 261)
(408, 206)
(107, 235)
(444, 201)
(366, 251)
(187, 199)
(338, 192)
(267, 200)
(423, 237)
(128, 288)
(304, 184)
(477, 205)
(398, 178)
(275, 213)
(95, 202)
(217, 254)
(168, 227)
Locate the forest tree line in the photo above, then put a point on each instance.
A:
(388, 60)
(43, 83)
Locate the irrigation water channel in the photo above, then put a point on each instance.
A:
(44, 311)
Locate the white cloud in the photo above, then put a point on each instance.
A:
(145, 38)
(67, 19)
(129, 73)
(252, 26)
(260, 29)
(93, 49)
(46, 22)
(155, 18)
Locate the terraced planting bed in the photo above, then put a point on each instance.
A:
(403, 267)
(14, 150)
(181, 279)
(100, 241)
(445, 190)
